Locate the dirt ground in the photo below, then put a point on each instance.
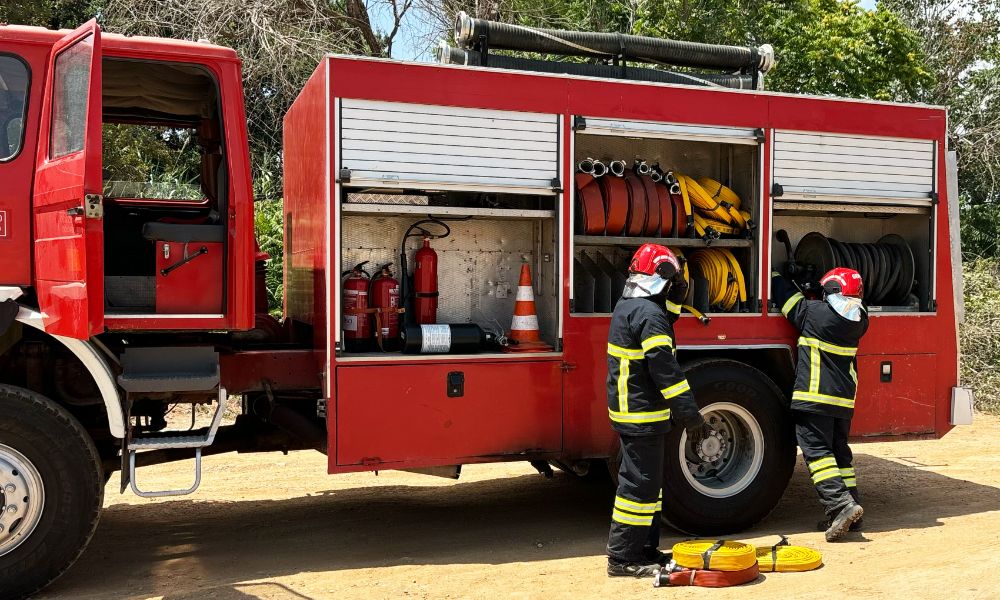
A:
(275, 527)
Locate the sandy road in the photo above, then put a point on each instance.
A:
(275, 527)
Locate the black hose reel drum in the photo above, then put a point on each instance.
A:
(887, 266)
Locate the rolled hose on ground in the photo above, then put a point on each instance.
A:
(681, 576)
(726, 283)
(716, 555)
(508, 36)
(456, 56)
(784, 558)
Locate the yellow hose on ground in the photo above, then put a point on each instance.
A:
(726, 283)
(788, 559)
(717, 555)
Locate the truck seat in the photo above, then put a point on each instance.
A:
(183, 233)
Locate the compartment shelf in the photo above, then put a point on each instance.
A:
(606, 240)
(389, 210)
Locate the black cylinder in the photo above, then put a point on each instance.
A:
(465, 338)
(458, 56)
(471, 33)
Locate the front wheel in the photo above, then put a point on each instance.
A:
(51, 491)
(729, 481)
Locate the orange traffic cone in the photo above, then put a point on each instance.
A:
(524, 328)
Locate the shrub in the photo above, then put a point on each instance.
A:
(979, 340)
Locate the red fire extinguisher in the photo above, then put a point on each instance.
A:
(385, 299)
(425, 284)
(356, 322)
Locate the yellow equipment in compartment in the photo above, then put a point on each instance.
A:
(726, 283)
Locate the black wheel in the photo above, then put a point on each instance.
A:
(51, 491)
(729, 482)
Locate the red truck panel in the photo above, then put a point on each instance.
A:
(194, 287)
(397, 413)
(307, 157)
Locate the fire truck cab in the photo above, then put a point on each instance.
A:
(128, 290)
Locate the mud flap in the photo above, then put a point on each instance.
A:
(8, 314)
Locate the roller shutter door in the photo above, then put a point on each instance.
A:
(846, 168)
(391, 144)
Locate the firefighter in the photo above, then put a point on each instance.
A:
(826, 381)
(646, 390)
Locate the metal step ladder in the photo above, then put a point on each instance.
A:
(195, 440)
(172, 369)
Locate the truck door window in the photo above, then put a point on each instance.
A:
(152, 161)
(13, 102)
(69, 98)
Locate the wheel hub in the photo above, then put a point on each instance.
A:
(712, 448)
(21, 498)
(725, 462)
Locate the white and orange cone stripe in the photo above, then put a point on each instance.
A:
(524, 326)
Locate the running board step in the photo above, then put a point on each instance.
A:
(188, 440)
(170, 369)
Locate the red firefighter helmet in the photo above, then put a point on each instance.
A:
(843, 281)
(654, 259)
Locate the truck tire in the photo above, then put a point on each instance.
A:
(741, 475)
(51, 473)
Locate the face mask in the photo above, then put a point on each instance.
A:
(640, 285)
(846, 306)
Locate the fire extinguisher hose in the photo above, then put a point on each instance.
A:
(716, 555)
(784, 558)
(681, 576)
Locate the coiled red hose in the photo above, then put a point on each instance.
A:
(677, 576)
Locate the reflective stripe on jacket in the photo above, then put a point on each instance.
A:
(826, 377)
(646, 386)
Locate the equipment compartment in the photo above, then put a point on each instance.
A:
(663, 163)
(891, 250)
(478, 263)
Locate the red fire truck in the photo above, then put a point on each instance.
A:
(126, 293)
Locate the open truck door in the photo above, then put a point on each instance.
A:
(68, 205)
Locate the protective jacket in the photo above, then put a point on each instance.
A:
(826, 376)
(646, 386)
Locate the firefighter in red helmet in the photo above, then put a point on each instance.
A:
(826, 382)
(646, 391)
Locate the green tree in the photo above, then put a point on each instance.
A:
(960, 41)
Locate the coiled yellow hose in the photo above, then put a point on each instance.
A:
(726, 283)
(727, 556)
(703, 200)
(727, 197)
(788, 559)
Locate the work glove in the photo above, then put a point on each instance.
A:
(678, 292)
(700, 432)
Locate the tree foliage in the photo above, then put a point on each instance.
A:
(960, 42)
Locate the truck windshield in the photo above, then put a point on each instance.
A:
(152, 162)
(13, 96)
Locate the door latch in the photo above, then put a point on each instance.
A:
(95, 206)
(456, 384)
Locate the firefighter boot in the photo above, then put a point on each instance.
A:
(620, 569)
(855, 526)
(653, 555)
(843, 521)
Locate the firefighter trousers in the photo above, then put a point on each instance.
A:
(828, 458)
(635, 519)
